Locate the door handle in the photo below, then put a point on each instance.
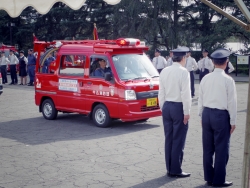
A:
(89, 83)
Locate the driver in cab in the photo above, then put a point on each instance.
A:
(103, 69)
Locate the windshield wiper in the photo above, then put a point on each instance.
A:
(138, 78)
(154, 76)
(127, 80)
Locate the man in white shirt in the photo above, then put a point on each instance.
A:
(175, 103)
(3, 66)
(217, 106)
(191, 65)
(170, 60)
(205, 65)
(229, 68)
(13, 62)
(159, 62)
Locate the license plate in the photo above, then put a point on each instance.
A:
(151, 102)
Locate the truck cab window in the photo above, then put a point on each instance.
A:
(99, 66)
(72, 65)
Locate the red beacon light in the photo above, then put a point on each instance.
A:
(128, 42)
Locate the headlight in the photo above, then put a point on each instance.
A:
(130, 95)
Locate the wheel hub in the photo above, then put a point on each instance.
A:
(100, 116)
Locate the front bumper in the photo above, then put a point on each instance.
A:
(137, 110)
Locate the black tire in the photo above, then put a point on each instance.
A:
(143, 120)
(101, 116)
(48, 109)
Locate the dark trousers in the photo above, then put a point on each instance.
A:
(13, 74)
(31, 72)
(4, 73)
(192, 83)
(202, 74)
(215, 139)
(175, 135)
(159, 70)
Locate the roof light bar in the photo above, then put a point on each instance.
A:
(128, 42)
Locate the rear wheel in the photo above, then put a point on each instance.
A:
(101, 116)
(48, 109)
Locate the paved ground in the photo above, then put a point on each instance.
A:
(72, 152)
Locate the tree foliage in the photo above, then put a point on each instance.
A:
(160, 23)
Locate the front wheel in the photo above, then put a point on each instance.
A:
(48, 109)
(101, 116)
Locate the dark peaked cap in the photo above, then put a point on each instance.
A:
(157, 50)
(220, 53)
(180, 51)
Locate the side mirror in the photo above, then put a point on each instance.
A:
(107, 76)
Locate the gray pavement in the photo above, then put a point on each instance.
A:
(72, 152)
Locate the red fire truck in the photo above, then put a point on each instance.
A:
(69, 84)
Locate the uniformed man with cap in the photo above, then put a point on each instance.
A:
(205, 65)
(3, 66)
(191, 65)
(31, 66)
(13, 62)
(159, 61)
(175, 103)
(217, 106)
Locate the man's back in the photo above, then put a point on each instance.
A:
(218, 91)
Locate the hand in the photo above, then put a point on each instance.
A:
(232, 129)
(186, 118)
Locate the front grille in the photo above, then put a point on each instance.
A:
(144, 108)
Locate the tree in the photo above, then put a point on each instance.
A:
(209, 28)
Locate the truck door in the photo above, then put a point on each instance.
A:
(70, 83)
(98, 90)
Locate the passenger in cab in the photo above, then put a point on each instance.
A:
(103, 69)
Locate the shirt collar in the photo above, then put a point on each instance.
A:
(219, 70)
(177, 64)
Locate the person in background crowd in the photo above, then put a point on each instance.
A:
(175, 103)
(191, 66)
(55, 54)
(47, 63)
(13, 62)
(23, 68)
(31, 66)
(229, 68)
(217, 106)
(3, 67)
(205, 65)
(159, 62)
(170, 60)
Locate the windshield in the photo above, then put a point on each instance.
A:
(134, 66)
